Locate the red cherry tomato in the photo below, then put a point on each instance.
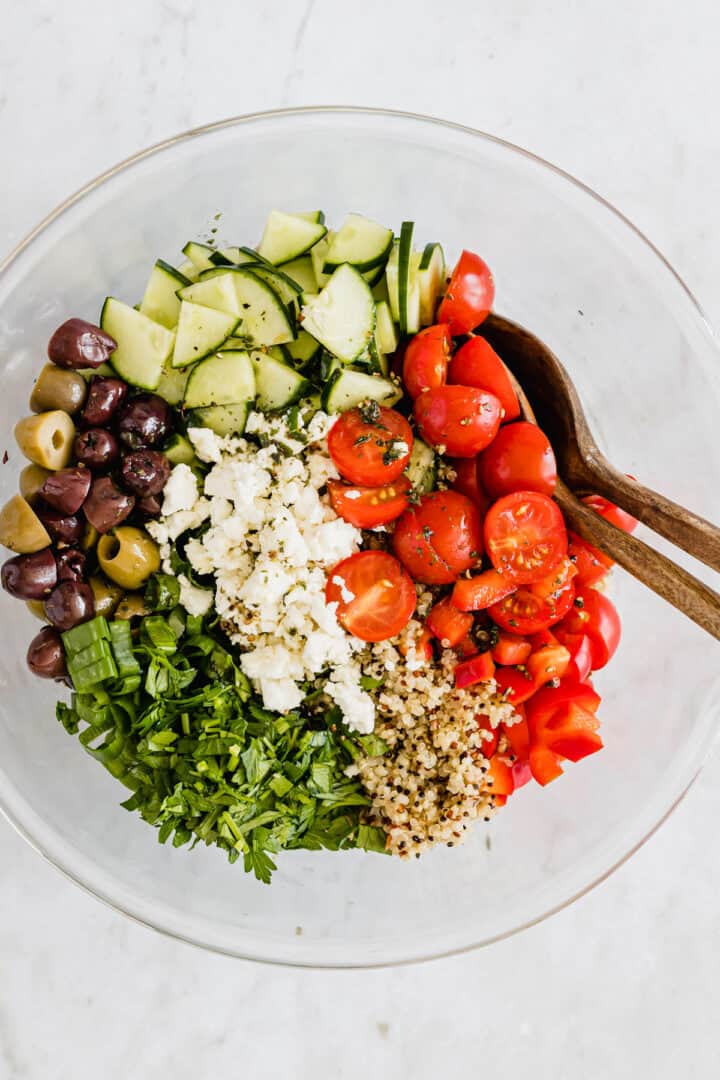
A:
(519, 458)
(516, 685)
(370, 445)
(477, 669)
(449, 625)
(439, 538)
(591, 563)
(375, 597)
(525, 536)
(612, 513)
(477, 364)
(511, 649)
(469, 295)
(466, 481)
(426, 360)
(461, 419)
(596, 616)
(524, 612)
(481, 591)
(367, 507)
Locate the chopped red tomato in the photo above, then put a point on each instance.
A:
(367, 507)
(439, 538)
(591, 563)
(515, 683)
(460, 419)
(533, 608)
(425, 362)
(477, 364)
(421, 646)
(370, 445)
(477, 669)
(548, 664)
(449, 625)
(481, 591)
(469, 295)
(525, 536)
(520, 458)
(511, 649)
(467, 647)
(491, 736)
(466, 481)
(595, 616)
(375, 597)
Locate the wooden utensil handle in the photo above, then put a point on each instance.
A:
(695, 599)
(689, 531)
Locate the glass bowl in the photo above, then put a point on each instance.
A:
(574, 271)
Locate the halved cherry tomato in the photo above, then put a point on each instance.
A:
(461, 419)
(591, 563)
(426, 359)
(476, 669)
(448, 624)
(367, 507)
(477, 364)
(481, 591)
(525, 536)
(580, 649)
(547, 664)
(499, 777)
(375, 597)
(550, 586)
(596, 616)
(612, 513)
(466, 481)
(370, 444)
(469, 295)
(517, 685)
(439, 538)
(511, 649)
(520, 458)
(524, 612)
(421, 646)
(491, 739)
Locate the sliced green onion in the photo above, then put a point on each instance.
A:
(85, 634)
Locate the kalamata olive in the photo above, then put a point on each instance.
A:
(70, 564)
(96, 448)
(144, 421)
(70, 603)
(105, 394)
(79, 344)
(46, 656)
(66, 490)
(106, 505)
(63, 528)
(145, 472)
(30, 577)
(150, 506)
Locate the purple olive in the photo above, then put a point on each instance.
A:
(46, 656)
(30, 577)
(63, 528)
(150, 506)
(66, 490)
(145, 472)
(105, 395)
(106, 505)
(70, 603)
(96, 448)
(70, 564)
(80, 344)
(144, 421)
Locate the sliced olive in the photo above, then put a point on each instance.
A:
(67, 489)
(128, 556)
(46, 438)
(106, 505)
(32, 478)
(58, 389)
(63, 528)
(107, 595)
(21, 529)
(132, 606)
(79, 344)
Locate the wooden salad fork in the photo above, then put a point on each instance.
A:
(548, 398)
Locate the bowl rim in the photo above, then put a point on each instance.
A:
(247, 953)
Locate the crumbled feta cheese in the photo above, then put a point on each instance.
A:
(195, 601)
(180, 491)
(206, 443)
(355, 704)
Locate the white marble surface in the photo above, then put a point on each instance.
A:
(625, 983)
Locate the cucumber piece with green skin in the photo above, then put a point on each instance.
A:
(317, 258)
(386, 336)
(143, 345)
(223, 419)
(215, 289)
(342, 316)
(316, 216)
(172, 383)
(189, 270)
(430, 276)
(421, 469)
(380, 290)
(374, 277)
(360, 242)
(229, 256)
(348, 388)
(278, 385)
(408, 307)
(160, 302)
(179, 450)
(223, 379)
(302, 273)
(304, 349)
(287, 289)
(285, 237)
(200, 255)
(201, 332)
(237, 290)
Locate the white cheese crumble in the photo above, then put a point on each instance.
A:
(270, 540)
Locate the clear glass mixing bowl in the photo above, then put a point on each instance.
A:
(567, 266)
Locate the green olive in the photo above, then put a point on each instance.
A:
(58, 388)
(107, 595)
(21, 529)
(46, 438)
(132, 606)
(128, 556)
(37, 608)
(32, 479)
(89, 537)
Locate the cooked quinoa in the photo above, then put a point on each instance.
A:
(430, 785)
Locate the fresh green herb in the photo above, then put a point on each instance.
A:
(162, 592)
(369, 411)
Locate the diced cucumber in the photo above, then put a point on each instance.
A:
(386, 337)
(224, 379)
(278, 384)
(239, 290)
(160, 302)
(189, 270)
(172, 383)
(342, 316)
(287, 289)
(302, 273)
(421, 469)
(143, 345)
(200, 255)
(250, 255)
(316, 216)
(360, 242)
(380, 291)
(348, 388)
(317, 258)
(223, 419)
(286, 237)
(304, 349)
(215, 289)
(201, 331)
(374, 277)
(229, 256)
(329, 364)
(179, 450)
(431, 281)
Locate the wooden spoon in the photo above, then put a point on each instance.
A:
(583, 468)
